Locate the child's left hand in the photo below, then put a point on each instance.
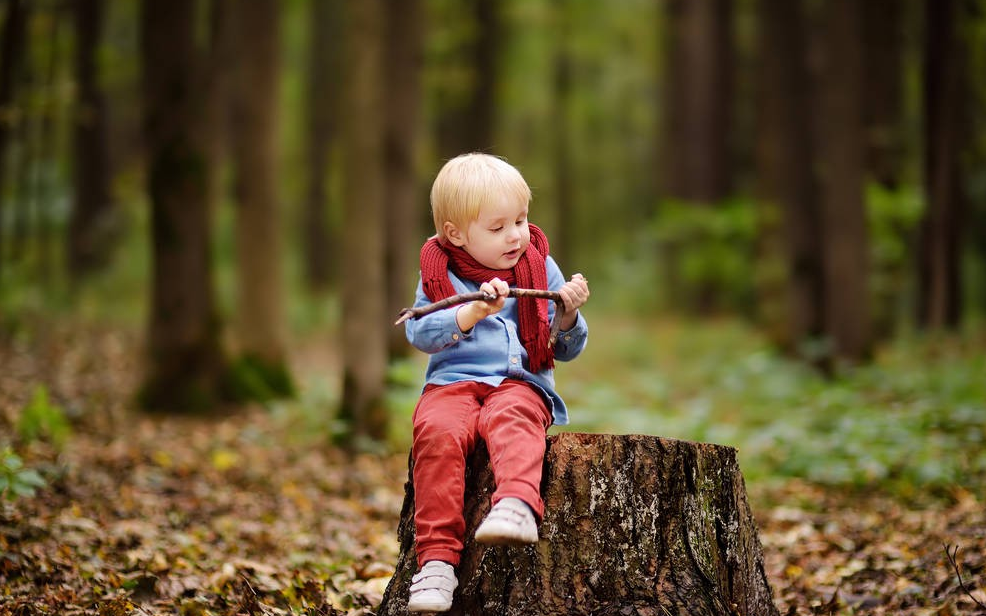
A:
(574, 295)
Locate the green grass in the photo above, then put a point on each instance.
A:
(914, 420)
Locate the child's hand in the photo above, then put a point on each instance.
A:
(498, 289)
(474, 312)
(574, 295)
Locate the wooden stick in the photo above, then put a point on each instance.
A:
(462, 298)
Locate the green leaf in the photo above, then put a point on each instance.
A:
(31, 477)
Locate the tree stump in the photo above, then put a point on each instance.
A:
(634, 525)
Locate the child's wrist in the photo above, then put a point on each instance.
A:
(467, 316)
(569, 319)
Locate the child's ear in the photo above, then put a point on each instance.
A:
(453, 234)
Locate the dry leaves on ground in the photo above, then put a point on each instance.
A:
(235, 515)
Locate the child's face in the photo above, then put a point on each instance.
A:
(498, 237)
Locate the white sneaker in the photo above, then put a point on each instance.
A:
(509, 522)
(432, 588)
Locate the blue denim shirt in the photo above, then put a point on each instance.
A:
(491, 351)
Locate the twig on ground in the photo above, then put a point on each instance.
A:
(952, 552)
(462, 298)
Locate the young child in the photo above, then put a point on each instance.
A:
(490, 372)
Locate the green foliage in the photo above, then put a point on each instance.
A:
(405, 379)
(41, 419)
(311, 416)
(911, 422)
(709, 249)
(893, 217)
(252, 378)
(15, 480)
(902, 424)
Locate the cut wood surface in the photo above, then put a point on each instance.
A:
(633, 525)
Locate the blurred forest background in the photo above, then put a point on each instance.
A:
(799, 183)
(210, 212)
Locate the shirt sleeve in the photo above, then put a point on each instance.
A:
(433, 332)
(570, 343)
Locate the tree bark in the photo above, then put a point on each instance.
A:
(466, 115)
(883, 24)
(634, 525)
(403, 212)
(697, 123)
(91, 231)
(883, 36)
(946, 133)
(320, 232)
(25, 134)
(364, 293)
(185, 362)
(566, 211)
(260, 319)
(790, 295)
(845, 235)
(11, 56)
(42, 180)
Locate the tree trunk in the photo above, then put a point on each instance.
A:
(185, 363)
(260, 316)
(883, 36)
(323, 118)
(364, 339)
(11, 56)
(26, 136)
(946, 133)
(403, 209)
(566, 211)
(44, 177)
(466, 114)
(697, 124)
(846, 249)
(634, 525)
(486, 50)
(883, 114)
(218, 112)
(791, 288)
(91, 231)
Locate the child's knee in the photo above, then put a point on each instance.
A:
(432, 437)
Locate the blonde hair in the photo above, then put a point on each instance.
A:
(467, 183)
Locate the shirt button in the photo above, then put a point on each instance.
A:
(568, 337)
(513, 360)
(455, 336)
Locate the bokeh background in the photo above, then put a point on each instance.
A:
(780, 205)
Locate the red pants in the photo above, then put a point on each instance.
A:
(512, 418)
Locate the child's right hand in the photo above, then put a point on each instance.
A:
(497, 288)
(469, 314)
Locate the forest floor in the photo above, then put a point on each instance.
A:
(247, 513)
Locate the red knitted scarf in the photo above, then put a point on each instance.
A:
(529, 273)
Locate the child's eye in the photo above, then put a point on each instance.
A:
(496, 229)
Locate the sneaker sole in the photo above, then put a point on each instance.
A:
(495, 539)
(428, 609)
